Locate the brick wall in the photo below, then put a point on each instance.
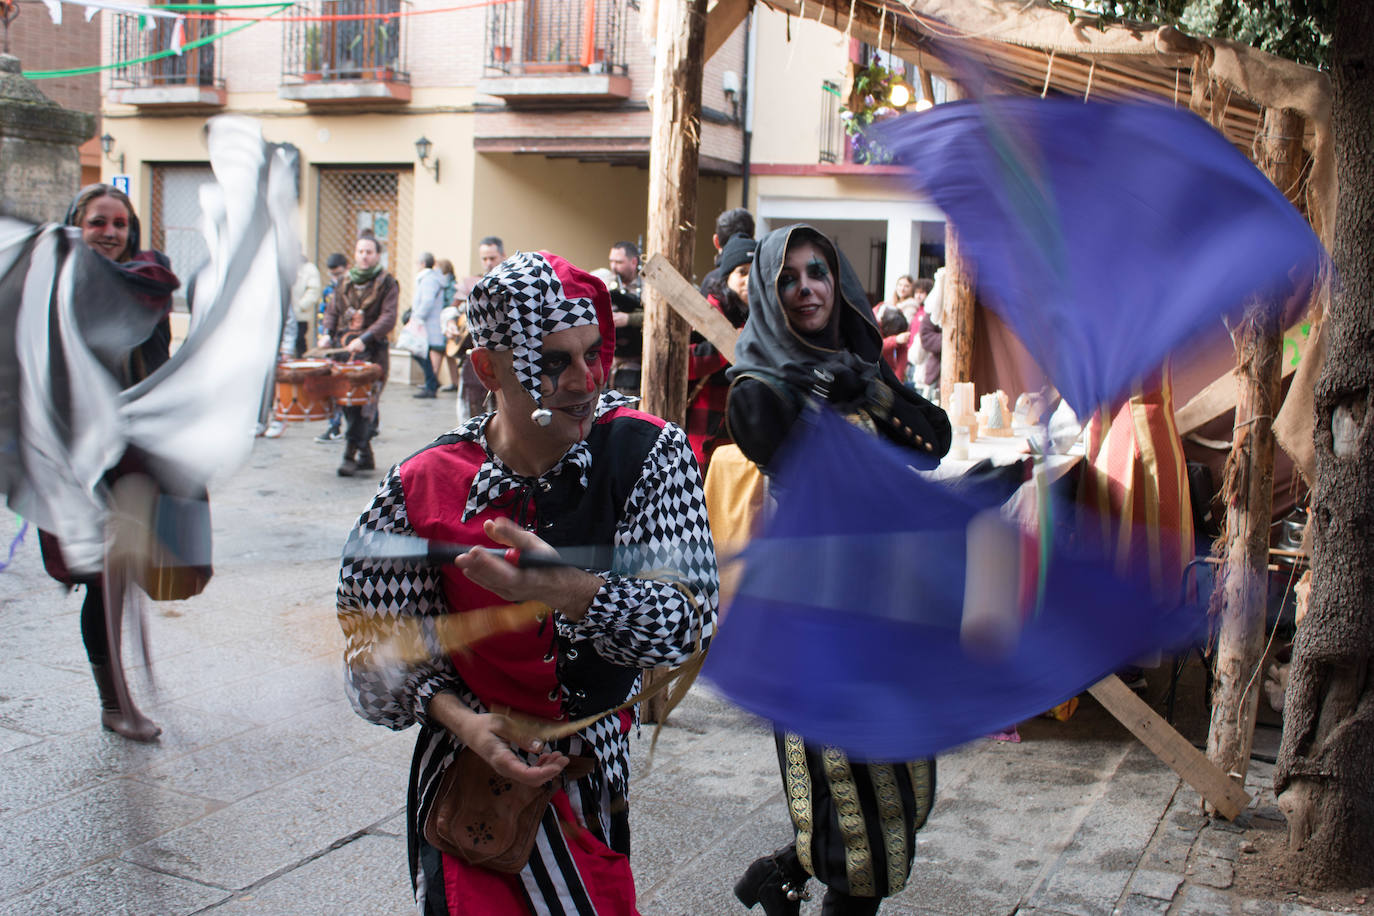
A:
(40, 45)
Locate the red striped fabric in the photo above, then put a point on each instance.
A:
(585, 876)
(1135, 481)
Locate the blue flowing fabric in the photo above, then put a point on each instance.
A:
(1107, 235)
(845, 628)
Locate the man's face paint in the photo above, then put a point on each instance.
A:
(570, 380)
(806, 288)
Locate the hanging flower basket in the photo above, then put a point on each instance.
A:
(868, 104)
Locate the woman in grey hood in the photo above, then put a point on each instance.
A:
(811, 334)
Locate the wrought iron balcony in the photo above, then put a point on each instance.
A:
(192, 78)
(576, 46)
(346, 59)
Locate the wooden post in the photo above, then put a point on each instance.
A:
(674, 150)
(1249, 493)
(956, 329)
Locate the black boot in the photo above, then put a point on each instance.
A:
(130, 723)
(776, 882)
(365, 461)
(349, 467)
(837, 904)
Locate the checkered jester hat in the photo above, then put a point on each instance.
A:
(530, 295)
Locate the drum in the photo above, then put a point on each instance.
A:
(353, 382)
(304, 390)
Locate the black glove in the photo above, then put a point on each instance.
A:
(838, 384)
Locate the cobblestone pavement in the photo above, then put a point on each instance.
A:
(267, 795)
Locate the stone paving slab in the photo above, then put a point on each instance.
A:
(1093, 871)
(27, 690)
(116, 888)
(367, 875)
(267, 833)
(274, 693)
(82, 829)
(58, 766)
(260, 759)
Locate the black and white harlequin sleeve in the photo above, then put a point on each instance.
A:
(641, 620)
(393, 663)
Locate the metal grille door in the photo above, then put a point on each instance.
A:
(174, 224)
(351, 200)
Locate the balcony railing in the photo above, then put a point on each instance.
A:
(527, 37)
(193, 77)
(371, 48)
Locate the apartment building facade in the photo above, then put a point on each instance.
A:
(534, 116)
(531, 115)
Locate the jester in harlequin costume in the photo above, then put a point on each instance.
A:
(561, 463)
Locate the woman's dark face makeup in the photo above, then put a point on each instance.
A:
(105, 227)
(806, 288)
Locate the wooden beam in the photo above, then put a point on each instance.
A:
(690, 304)
(1208, 404)
(1249, 491)
(1218, 789)
(722, 21)
(891, 32)
(1220, 396)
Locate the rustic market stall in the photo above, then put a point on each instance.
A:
(1275, 111)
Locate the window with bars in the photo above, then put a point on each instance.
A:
(831, 136)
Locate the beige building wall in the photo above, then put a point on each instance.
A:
(787, 77)
(575, 209)
(440, 209)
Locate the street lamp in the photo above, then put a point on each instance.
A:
(106, 144)
(423, 146)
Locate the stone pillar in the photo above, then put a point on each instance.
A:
(899, 260)
(40, 166)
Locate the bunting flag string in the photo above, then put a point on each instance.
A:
(209, 11)
(97, 68)
(355, 17)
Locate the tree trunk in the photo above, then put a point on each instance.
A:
(1325, 771)
(1249, 493)
(956, 328)
(674, 151)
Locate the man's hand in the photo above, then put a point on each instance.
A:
(356, 346)
(620, 319)
(487, 735)
(567, 589)
(322, 341)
